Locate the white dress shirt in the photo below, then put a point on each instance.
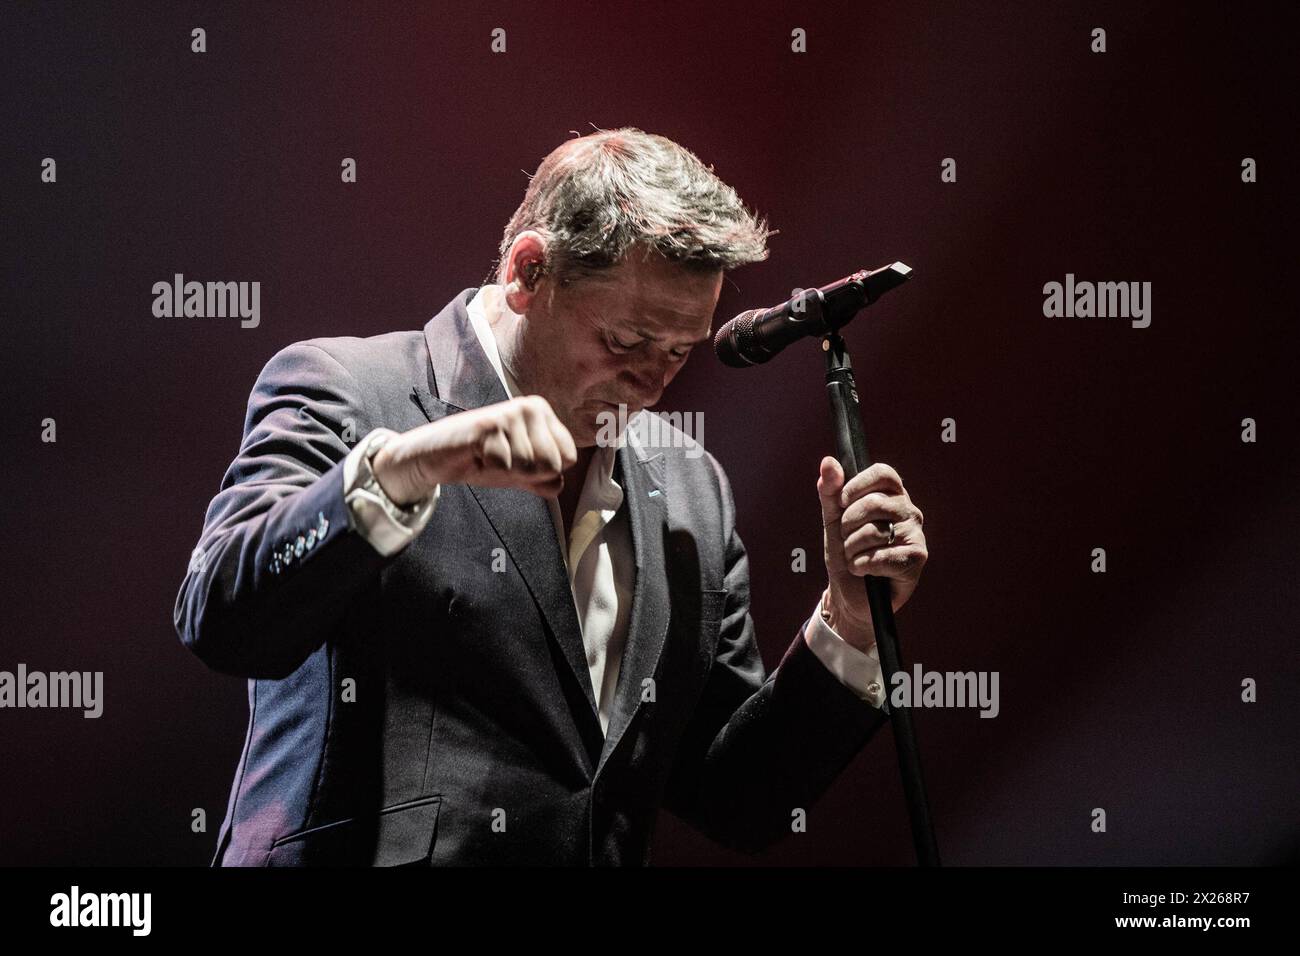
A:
(598, 554)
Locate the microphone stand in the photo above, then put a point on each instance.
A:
(852, 443)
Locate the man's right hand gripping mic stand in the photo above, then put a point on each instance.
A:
(754, 337)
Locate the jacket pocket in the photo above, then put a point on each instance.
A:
(402, 834)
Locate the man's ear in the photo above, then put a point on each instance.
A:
(528, 261)
(518, 296)
(532, 272)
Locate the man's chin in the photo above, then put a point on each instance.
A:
(608, 425)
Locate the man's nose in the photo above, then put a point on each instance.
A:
(648, 383)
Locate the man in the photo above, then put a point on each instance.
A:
(478, 629)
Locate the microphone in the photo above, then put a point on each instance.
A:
(753, 337)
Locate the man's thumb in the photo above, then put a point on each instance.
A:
(829, 485)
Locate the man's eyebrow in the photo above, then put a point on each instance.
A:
(654, 338)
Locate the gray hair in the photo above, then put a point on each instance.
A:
(596, 196)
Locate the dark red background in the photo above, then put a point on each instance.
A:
(1119, 691)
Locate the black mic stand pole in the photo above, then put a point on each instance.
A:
(852, 444)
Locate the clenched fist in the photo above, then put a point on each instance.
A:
(518, 443)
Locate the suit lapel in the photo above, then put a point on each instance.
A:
(645, 495)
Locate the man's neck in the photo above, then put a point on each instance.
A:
(574, 479)
(504, 326)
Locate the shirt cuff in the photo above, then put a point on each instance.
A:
(376, 517)
(856, 670)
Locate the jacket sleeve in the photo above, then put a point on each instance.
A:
(758, 748)
(277, 562)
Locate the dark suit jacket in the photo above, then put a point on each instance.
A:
(403, 708)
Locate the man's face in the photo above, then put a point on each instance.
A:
(620, 339)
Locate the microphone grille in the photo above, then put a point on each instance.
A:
(734, 340)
